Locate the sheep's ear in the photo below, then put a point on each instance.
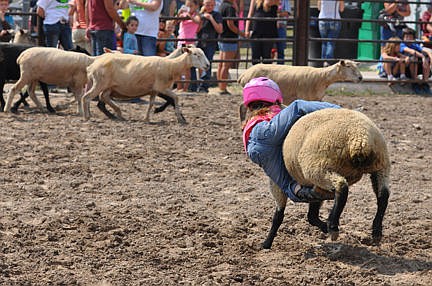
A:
(342, 62)
(106, 50)
(242, 112)
(186, 50)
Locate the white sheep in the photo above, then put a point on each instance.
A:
(303, 82)
(331, 149)
(51, 66)
(122, 76)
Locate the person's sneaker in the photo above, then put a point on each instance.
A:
(202, 89)
(403, 77)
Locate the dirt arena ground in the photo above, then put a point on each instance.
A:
(129, 203)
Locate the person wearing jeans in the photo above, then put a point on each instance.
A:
(147, 12)
(329, 9)
(57, 17)
(210, 28)
(101, 16)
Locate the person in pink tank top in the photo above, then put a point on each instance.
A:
(189, 24)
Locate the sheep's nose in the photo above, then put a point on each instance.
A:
(360, 78)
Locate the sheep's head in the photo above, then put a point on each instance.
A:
(22, 36)
(198, 58)
(349, 71)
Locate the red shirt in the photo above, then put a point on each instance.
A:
(98, 16)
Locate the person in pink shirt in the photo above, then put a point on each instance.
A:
(187, 31)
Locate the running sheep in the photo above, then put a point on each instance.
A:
(121, 76)
(303, 82)
(331, 149)
(51, 66)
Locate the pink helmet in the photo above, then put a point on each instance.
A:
(261, 89)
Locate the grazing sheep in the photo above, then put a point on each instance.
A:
(331, 149)
(52, 66)
(303, 82)
(124, 76)
(10, 71)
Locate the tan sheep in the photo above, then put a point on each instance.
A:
(51, 66)
(331, 149)
(123, 76)
(303, 82)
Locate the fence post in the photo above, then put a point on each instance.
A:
(300, 55)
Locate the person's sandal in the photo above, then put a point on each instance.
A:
(224, 92)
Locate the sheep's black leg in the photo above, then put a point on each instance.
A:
(313, 216)
(382, 194)
(169, 101)
(14, 108)
(339, 204)
(276, 223)
(44, 88)
(2, 101)
(102, 107)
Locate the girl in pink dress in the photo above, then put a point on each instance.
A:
(188, 30)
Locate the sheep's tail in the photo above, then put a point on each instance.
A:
(362, 152)
(169, 101)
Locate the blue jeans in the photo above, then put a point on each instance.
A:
(58, 32)
(146, 45)
(328, 29)
(281, 46)
(101, 39)
(267, 137)
(209, 52)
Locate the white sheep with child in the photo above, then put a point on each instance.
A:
(331, 149)
(120, 76)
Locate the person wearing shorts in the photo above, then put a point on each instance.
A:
(229, 45)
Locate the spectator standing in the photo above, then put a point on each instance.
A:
(228, 45)
(188, 29)
(284, 11)
(79, 25)
(57, 24)
(261, 50)
(6, 22)
(209, 29)
(396, 11)
(130, 43)
(329, 9)
(147, 12)
(395, 62)
(101, 15)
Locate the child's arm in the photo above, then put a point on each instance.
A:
(128, 45)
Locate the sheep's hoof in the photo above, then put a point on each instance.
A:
(51, 110)
(334, 235)
(266, 245)
(14, 110)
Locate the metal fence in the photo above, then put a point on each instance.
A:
(301, 37)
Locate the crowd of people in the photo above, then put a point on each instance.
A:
(135, 27)
(403, 55)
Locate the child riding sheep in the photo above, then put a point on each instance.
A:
(265, 130)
